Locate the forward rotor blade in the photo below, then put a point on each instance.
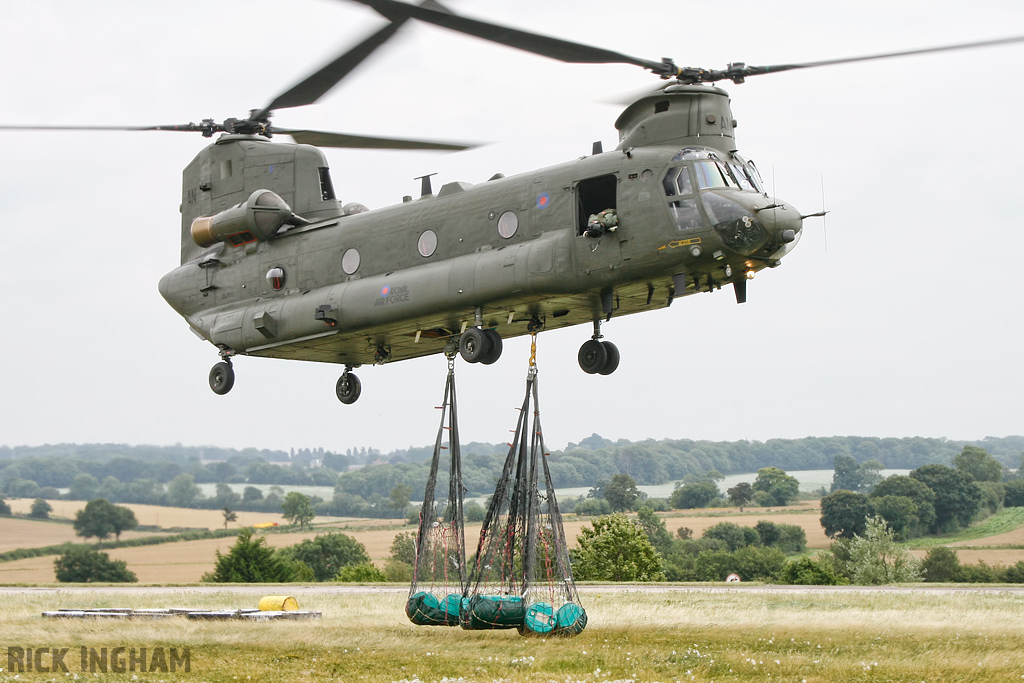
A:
(887, 55)
(343, 140)
(740, 71)
(314, 86)
(555, 48)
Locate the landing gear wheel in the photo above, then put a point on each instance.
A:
(222, 378)
(348, 388)
(496, 346)
(611, 360)
(592, 356)
(475, 345)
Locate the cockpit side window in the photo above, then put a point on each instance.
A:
(677, 181)
(739, 173)
(710, 175)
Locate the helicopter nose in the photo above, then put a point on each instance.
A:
(784, 224)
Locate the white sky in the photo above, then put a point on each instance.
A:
(909, 324)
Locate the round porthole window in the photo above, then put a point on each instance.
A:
(427, 243)
(275, 276)
(350, 261)
(508, 223)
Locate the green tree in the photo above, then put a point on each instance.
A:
(40, 509)
(696, 495)
(298, 509)
(84, 565)
(5, 509)
(616, 549)
(183, 492)
(732, 535)
(229, 516)
(741, 495)
(403, 548)
(101, 518)
(84, 487)
(812, 571)
(778, 487)
(877, 559)
(899, 512)
(654, 526)
(979, 464)
(846, 476)
(124, 521)
(620, 492)
(1014, 496)
(957, 496)
(940, 564)
(400, 496)
(251, 494)
(844, 514)
(474, 512)
(923, 497)
(362, 572)
(250, 561)
(328, 554)
(225, 496)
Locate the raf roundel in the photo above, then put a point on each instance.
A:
(384, 291)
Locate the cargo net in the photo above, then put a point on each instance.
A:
(439, 574)
(520, 576)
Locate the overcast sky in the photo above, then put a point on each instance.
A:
(905, 321)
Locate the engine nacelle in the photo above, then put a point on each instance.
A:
(256, 219)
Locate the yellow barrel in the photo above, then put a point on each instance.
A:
(278, 603)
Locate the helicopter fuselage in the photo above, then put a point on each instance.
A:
(610, 234)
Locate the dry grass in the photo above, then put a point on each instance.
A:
(665, 636)
(30, 533)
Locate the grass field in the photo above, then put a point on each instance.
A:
(696, 635)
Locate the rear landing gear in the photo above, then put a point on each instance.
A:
(348, 387)
(598, 357)
(478, 345)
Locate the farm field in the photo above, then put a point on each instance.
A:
(664, 635)
(188, 561)
(166, 517)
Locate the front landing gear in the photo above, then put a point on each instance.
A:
(222, 375)
(348, 387)
(478, 345)
(598, 357)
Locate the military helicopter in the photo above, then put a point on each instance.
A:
(273, 264)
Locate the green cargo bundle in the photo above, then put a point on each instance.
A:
(424, 609)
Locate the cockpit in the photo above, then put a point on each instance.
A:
(694, 169)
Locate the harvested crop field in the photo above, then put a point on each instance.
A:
(170, 518)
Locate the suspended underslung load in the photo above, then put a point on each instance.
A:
(521, 576)
(439, 574)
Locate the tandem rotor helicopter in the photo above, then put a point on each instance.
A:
(274, 264)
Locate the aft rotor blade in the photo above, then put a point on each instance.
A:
(325, 139)
(741, 71)
(184, 128)
(555, 48)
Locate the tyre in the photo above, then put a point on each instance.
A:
(348, 388)
(495, 339)
(474, 345)
(611, 358)
(222, 378)
(592, 356)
